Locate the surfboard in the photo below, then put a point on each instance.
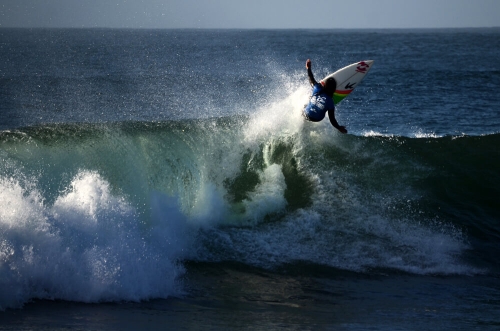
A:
(348, 78)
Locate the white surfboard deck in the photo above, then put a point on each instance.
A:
(348, 78)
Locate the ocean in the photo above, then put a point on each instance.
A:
(166, 179)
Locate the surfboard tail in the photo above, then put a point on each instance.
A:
(339, 95)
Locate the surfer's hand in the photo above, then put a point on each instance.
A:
(342, 129)
(308, 64)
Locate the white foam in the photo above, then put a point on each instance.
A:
(417, 134)
(421, 134)
(371, 133)
(88, 197)
(90, 245)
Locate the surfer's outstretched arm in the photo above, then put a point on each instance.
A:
(331, 117)
(312, 81)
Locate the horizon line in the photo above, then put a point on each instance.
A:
(194, 28)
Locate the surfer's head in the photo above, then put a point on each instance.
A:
(330, 85)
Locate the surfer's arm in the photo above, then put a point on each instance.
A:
(312, 81)
(331, 117)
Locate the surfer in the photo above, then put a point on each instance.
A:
(321, 100)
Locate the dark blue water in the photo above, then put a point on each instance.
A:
(166, 178)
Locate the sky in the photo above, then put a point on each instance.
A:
(250, 14)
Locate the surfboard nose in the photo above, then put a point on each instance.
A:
(364, 66)
(368, 62)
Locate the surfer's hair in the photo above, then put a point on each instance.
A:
(331, 82)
